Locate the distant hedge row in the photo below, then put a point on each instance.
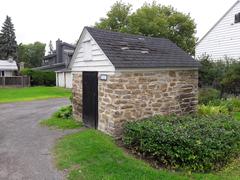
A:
(40, 78)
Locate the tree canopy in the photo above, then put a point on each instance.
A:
(152, 20)
(31, 54)
(8, 43)
(117, 18)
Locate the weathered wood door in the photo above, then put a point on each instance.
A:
(90, 99)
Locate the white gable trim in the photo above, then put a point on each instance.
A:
(88, 56)
(218, 22)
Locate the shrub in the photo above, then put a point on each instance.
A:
(64, 113)
(232, 104)
(199, 143)
(212, 110)
(219, 106)
(231, 79)
(206, 95)
(221, 74)
(40, 78)
(211, 72)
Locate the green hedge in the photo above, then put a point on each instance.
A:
(40, 78)
(199, 144)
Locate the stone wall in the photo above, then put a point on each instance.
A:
(77, 95)
(129, 96)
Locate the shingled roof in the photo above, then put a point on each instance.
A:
(135, 51)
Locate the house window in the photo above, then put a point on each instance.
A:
(237, 18)
(2, 73)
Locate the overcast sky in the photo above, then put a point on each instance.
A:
(44, 20)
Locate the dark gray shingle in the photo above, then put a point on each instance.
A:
(135, 51)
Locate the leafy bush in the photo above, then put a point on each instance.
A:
(219, 106)
(206, 95)
(40, 78)
(231, 79)
(200, 143)
(64, 113)
(212, 110)
(232, 104)
(211, 72)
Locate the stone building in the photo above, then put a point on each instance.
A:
(120, 77)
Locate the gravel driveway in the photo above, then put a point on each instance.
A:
(25, 146)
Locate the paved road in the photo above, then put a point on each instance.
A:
(25, 146)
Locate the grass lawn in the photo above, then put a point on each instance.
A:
(58, 123)
(32, 93)
(91, 154)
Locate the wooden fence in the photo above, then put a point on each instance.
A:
(15, 81)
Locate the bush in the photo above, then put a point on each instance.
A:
(40, 78)
(218, 106)
(221, 74)
(206, 95)
(64, 113)
(212, 110)
(200, 143)
(232, 104)
(211, 72)
(231, 79)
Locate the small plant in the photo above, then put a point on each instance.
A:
(71, 98)
(195, 143)
(62, 119)
(64, 113)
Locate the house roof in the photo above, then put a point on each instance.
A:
(52, 67)
(238, 1)
(8, 65)
(136, 51)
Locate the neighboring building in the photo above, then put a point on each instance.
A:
(223, 39)
(64, 78)
(58, 62)
(120, 77)
(8, 68)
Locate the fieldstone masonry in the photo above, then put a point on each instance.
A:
(77, 96)
(128, 96)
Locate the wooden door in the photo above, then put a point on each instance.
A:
(90, 99)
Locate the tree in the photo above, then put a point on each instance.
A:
(31, 54)
(117, 17)
(8, 44)
(153, 20)
(50, 47)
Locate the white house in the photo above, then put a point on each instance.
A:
(223, 39)
(8, 68)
